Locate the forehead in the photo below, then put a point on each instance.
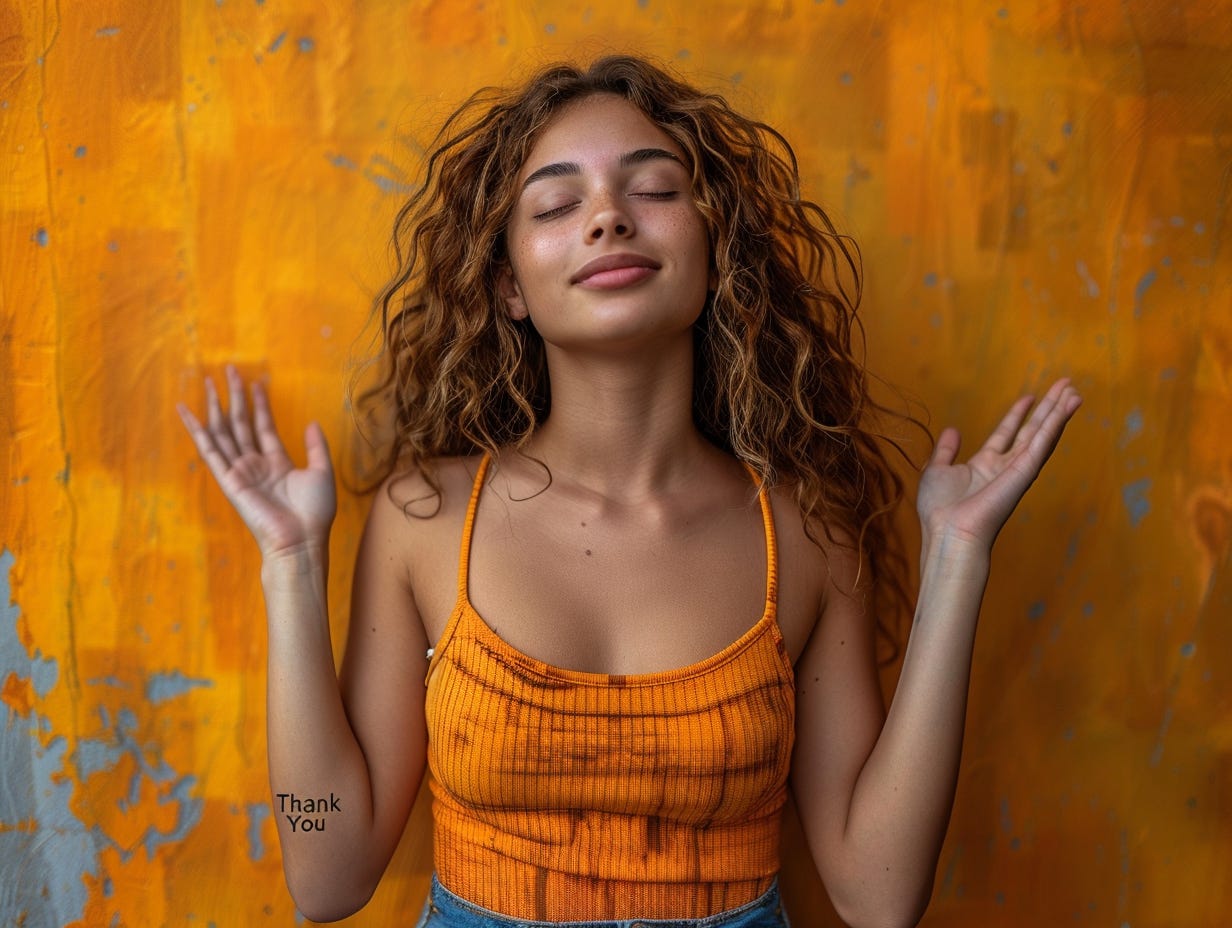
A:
(597, 129)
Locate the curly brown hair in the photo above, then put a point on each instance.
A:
(780, 381)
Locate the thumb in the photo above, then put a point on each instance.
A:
(946, 450)
(318, 448)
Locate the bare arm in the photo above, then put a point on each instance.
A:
(345, 761)
(876, 798)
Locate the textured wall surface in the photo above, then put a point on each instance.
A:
(1039, 188)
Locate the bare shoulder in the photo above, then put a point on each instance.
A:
(415, 529)
(817, 570)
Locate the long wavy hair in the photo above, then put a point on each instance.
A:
(779, 380)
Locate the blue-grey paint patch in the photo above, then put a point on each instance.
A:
(1067, 128)
(79, 151)
(106, 31)
(1168, 373)
(1188, 649)
(41, 671)
(159, 687)
(1157, 753)
(1199, 228)
(41, 237)
(1036, 610)
(643, 3)
(95, 754)
(1071, 550)
(1143, 285)
(549, 28)
(1003, 13)
(1007, 823)
(109, 680)
(1133, 426)
(188, 815)
(1133, 495)
(306, 44)
(277, 43)
(257, 813)
(45, 852)
(845, 78)
(1178, 222)
(1088, 609)
(388, 177)
(1088, 281)
(930, 279)
(341, 161)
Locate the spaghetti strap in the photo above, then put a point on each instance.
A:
(772, 547)
(464, 558)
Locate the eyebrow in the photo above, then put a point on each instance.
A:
(572, 168)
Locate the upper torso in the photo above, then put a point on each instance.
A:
(565, 790)
(658, 590)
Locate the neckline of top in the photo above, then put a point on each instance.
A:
(594, 678)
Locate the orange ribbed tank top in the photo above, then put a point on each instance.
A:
(563, 795)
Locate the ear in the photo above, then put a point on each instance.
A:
(511, 293)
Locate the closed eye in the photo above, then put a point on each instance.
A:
(656, 194)
(556, 211)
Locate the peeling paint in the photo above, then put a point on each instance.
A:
(45, 852)
(159, 687)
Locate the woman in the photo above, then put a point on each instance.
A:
(633, 537)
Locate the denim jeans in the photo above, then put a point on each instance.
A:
(445, 910)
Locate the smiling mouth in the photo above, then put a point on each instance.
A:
(615, 270)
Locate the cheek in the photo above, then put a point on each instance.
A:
(536, 258)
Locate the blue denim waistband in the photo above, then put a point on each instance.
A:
(445, 910)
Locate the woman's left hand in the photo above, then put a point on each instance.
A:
(970, 502)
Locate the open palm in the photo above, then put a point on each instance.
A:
(285, 508)
(973, 500)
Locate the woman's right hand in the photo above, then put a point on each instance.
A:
(287, 510)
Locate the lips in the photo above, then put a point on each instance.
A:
(609, 268)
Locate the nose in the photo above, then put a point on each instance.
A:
(609, 220)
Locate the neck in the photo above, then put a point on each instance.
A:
(622, 426)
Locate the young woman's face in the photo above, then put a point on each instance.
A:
(606, 247)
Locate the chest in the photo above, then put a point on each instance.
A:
(604, 594)
(702, 747)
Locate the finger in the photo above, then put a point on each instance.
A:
(220, 432)
(1045, 439)
(1002, 437)
(204, 440)
(318, 449)
(267, 434)
(946, 450)
(241, 427)
(1043, 412)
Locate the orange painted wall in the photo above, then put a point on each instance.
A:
(1039, 188)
